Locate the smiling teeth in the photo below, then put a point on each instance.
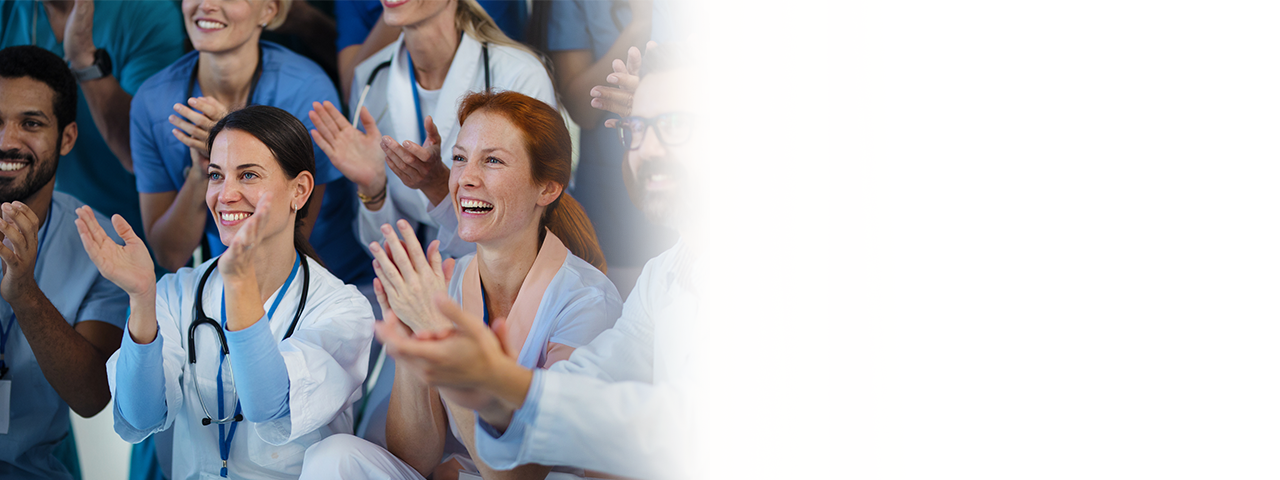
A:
(11, 166)
(475, 204)
(210, 25)
(234, 217)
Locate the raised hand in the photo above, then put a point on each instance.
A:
(420, 166)
(77, 38)
(461, 360)
(626, 75)
(354, 153)
(237, 261)
(194, 123)
(20, 227)
(128, 266)
(409, 279)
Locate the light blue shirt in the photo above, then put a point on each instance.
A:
(38, 417)
(142, 38)
(290, 82)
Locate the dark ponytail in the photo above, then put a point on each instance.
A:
(289, 143)
(550, 148)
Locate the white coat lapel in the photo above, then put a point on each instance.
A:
(461, 80)
(403, 120)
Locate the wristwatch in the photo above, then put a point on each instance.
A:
(100, 67)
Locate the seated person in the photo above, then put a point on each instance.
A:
(632, 401)
(252, 356)
(59, 318)
(229, 69)
(527, 279)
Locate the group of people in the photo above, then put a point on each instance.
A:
(389, 283)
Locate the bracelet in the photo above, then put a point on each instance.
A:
(380, 196)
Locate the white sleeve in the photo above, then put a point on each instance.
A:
(168, 314)
(327, 359)
(597, 410)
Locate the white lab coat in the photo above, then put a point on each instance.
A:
(571, 308)
(392, 107)
(327, 358)
(632, 402)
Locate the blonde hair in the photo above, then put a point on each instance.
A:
(470, 17)
(282, 14)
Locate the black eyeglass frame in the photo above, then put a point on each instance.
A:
(624, 129)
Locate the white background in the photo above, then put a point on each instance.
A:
(997, 239)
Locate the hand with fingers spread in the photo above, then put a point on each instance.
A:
(194, 121)
(408, 278)
(356, 154)
(237, 261)
(420, 166)
(466, 361)
(128, 266)
(20, 227)
(626, 75)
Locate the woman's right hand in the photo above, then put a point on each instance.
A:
(626, 77)
(358, 155)
(128, 266)
(410, 278)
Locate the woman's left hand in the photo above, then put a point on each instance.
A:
(419, 166)
(196, 121)
(237, 261)
(410, 279)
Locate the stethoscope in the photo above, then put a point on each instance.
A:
(202, 319)
(413, 82)
(225, 435)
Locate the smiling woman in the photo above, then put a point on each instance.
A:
(284, 355)
(535, 278)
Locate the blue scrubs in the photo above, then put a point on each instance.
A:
(626, 238)
(288, 81)
(142, 38)
(38, 417)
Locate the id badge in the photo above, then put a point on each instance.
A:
(5, 387)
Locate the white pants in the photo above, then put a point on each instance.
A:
(349, 457)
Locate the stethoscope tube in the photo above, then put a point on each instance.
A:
(202, 319)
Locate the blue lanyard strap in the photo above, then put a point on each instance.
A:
(13, 316)
(225, 434)
(417, 102)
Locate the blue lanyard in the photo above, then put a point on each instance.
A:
(225, 436)
(417, 102)
(4, 332)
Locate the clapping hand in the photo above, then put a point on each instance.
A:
(194, 122)
(626, 75)
(18, 253)
(419, 166)
(459, 360)
(408, 278)
(354, 153)
(128, 266)
(237, 261)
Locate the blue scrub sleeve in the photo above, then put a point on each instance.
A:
(504, 448)
(148, 163)
(356, 19)
(140, 383)
(567, 28)
(262, 380)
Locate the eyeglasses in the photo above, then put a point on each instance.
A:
(673, 129)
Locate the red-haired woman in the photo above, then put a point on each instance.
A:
(528, 279)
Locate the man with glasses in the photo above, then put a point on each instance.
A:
(632, 401)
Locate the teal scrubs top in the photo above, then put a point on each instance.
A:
(142, 38)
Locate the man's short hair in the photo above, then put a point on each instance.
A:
(43, 66)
